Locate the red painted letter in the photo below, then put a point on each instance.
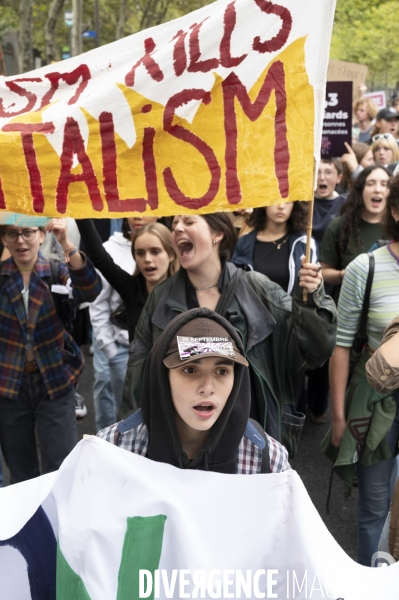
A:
(226, 60)
(148, 62)
(107, 132)
(2, 198)
(183, 134)
(73, 144)
(233, 88)
(20, 91)
(279, 40)
(82, 71)
(179, 53)
(27, 130)
(197, 65)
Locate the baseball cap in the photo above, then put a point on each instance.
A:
(201, 338)
(387, 113)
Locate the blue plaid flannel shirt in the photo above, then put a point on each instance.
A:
(249, 456)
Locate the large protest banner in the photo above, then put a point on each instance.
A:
(111, 525)
(218, 110)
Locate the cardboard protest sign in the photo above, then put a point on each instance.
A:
(218, 110)
(113, 525)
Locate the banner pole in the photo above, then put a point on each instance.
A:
(309, 232)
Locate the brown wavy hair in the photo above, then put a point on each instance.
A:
(354, 205)
(296, 223)
(391, 227)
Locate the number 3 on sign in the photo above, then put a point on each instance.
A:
(332, 99)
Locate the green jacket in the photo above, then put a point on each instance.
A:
(369, 417)
(282, 337)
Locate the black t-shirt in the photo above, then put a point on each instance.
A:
(324, 212)
(271, 259)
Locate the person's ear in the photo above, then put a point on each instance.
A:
(217, 237)
(339, 178)
(395, 214)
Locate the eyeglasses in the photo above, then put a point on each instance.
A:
(382, 136)
(26, 234)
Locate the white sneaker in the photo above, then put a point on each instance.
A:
(80, 406)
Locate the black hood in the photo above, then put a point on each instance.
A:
(219, 453)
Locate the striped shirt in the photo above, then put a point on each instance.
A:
(384, 297)
(249, 456)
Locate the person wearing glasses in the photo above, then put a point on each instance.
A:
(39, 358)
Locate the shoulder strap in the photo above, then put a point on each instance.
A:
(338, 234)
(228, 293)
(255, 433)
(366, 301)
(132, 421)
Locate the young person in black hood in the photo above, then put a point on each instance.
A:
(195, 403)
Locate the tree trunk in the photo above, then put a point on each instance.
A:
(121, 20)
(76, 48)
(25, 35)
(49, 32)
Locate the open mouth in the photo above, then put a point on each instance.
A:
(204, 411)
(376, 201)
(150, 270)
(184, 247)
(322, 187)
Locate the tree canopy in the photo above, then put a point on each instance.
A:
(366, 32)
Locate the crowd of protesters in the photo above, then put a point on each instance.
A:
(146, 281)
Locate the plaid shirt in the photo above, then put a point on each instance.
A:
(56, 354)
(249, 456)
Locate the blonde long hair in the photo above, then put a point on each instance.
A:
(165, 237)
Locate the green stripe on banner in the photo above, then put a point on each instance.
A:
(142, 548)
(69, 585)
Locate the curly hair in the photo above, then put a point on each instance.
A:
(354, 205)
(296, 223)
(390, 225)
(370, 106)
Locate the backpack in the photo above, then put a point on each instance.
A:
(254, 432)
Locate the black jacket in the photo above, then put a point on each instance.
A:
(282, 337)
(131, 288)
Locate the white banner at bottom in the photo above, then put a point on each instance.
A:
(111, 525)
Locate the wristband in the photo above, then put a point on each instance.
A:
(70, 252)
